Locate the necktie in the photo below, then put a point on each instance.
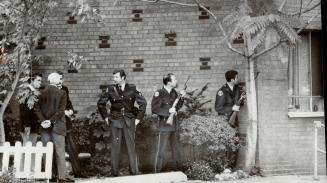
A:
(120, 89)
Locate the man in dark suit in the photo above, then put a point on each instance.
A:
(71, 147)
(50, 110)
(28, 119)
(123, 118)
(162, 105)
(29, 127)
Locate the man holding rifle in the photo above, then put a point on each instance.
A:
(165, 103)
(228, 101)
(228, 98)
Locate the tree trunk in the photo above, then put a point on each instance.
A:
(252, 126)
(251, 131)
(2, 129)
(4, 106)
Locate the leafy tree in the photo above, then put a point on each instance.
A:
(22, 21)
(263, 27)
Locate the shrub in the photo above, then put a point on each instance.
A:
(213, 137)
(91, 133)
(227, 175)
(100, 163)
(212, 132)
(8, 177)
(200, 170)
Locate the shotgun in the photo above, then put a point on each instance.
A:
(171, 116)
(232, 119)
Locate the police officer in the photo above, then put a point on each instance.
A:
(123, 118)
(162, 105)
(226, 100)
(228, 95)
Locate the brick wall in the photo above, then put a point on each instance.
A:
(195, 38)
(286, 144)
(144, 40)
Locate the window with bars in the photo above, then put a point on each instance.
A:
(306, 97)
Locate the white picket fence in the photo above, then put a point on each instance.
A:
(23, 160)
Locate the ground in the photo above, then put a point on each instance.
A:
(267, 179)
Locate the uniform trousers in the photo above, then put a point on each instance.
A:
(163, 138)
(128, 134)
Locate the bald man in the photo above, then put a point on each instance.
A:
(50, 111)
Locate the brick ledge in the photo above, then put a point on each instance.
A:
(305, 114)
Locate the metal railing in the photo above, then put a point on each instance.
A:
(317, 124)
(305, 103)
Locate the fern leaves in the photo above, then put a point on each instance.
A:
(241, 23)
(288, 32)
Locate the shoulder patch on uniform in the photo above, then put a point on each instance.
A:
(220, 93)
(156, 94)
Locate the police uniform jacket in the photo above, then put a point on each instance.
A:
(162, 101)
(226, 99)
(122, 105)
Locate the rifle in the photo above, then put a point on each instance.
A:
(171, 116)
(232, 119)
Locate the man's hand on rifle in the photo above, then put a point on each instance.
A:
(107, 120)
(183, 93)
(172, 110)
(137, 121)
(236, 108)
(68, 113)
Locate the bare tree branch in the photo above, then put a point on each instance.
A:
(171, 2)
(198, 4)
(114, 4)
(309, 3)
(268, 49)
(306, 10)
(301, 8)
(307, 23)
(282, 6)
(229, 45)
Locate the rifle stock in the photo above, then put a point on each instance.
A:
(170, 119)
(171, 115)
(232, 120)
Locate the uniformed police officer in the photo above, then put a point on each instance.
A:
(228, 95)
(162, 105)
(123, 118)
(226, 100)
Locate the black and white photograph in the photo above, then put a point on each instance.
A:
(162, 91)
